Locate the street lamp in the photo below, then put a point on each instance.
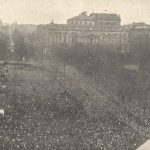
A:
(43, 57)
(64, 70)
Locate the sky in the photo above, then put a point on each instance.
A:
(43, 11)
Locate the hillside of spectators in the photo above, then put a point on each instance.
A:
(108, 68)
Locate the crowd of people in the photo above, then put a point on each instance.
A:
(3, 85)
(41, 115)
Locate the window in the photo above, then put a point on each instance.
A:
(124, 39)
(65, 38)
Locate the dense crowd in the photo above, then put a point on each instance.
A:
(41, 115)
(3, 84)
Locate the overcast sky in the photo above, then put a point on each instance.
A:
(42, 11)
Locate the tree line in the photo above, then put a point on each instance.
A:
(17, 46)
(107, 67)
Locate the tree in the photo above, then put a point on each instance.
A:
(4, 45)
(19, 45)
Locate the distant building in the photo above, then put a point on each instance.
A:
(139, 34)
(96, 28)
(102, 20)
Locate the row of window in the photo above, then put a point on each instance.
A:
(62, 38)
(91, 40)
(86, 23)
(104, 39)
(114, 39)
(108, 23)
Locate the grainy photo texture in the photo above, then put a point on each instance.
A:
(74, 75)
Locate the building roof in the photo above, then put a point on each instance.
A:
(95, 16)
(82, 17)
(106, 16)
(68, 27)
(140, 25)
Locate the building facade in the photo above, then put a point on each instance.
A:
(139, 35)
(96, 28)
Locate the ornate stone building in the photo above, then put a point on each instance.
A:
(96, 28)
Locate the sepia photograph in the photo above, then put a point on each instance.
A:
(74, 75)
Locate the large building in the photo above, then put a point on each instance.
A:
(139, 35)
(96, 28)
(139, 32)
